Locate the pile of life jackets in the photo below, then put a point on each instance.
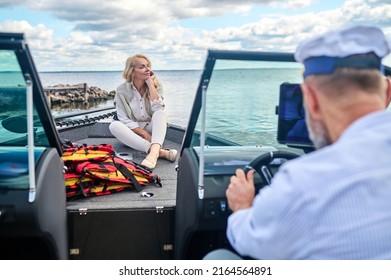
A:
(94, 170)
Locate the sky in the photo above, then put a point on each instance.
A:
(97, 35)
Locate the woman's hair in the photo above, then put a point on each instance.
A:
(127, 74)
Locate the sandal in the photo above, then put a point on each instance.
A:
(150, 161)
(170, 154)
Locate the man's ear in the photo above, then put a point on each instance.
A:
(311, 101)
(388, 91)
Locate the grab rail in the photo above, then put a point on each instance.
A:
(72, 115)
(86, 118)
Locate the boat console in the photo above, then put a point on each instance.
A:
(201, 221)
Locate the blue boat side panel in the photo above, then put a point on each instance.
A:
(14, 167)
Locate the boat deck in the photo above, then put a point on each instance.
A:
(165, 196)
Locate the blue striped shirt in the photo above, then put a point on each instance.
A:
(334, 203)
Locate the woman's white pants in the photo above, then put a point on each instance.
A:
(157, 128)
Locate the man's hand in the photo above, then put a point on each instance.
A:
(241, 191)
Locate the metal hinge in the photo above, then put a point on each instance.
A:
(83, 211)
(168, 247)
(159, 209)
(74, 251)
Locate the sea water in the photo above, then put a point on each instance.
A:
(241, 103)
(179, 89)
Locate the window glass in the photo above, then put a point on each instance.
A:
(241, 102)
(13, 129)
(13, 125)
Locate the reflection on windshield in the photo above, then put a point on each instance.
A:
(13, 120)
(241, 100)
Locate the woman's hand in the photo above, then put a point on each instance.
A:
(143, 133)
(147, 136)
(149, 81)
(153, 95)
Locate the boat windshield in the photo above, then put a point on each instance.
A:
(243, 93)
(20, 146)
(13, 104)
(242, 96)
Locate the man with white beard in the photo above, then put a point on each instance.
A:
(333, 203)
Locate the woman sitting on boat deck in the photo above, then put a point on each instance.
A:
(141, 123)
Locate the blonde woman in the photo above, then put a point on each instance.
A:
(141, 122)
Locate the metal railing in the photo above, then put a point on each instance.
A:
(86, 117)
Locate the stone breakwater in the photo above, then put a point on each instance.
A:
(81, 93)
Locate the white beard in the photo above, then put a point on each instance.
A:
(317, 132)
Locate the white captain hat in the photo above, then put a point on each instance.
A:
(323, 54)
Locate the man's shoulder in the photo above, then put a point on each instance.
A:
(313, 167)
(375, 120)
(308, 160)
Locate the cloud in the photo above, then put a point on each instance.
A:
(34, 33)
(9, 3)
(376, 11)
(283, 33)
(108, 15)
(293, 4)
(76, 51)
(105, 33)
(200, 8)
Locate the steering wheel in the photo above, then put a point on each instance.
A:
(262, 164)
